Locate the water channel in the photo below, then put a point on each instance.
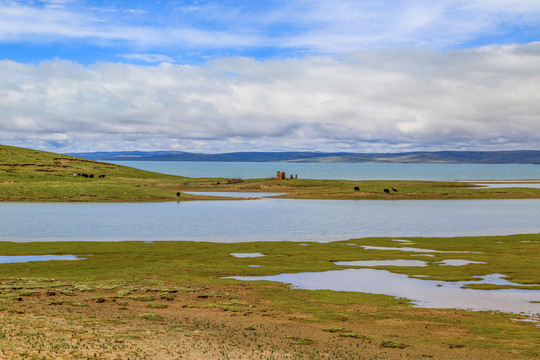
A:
(265, 220)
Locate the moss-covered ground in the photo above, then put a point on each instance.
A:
(169, 300)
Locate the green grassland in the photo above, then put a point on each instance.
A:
(157, 289)
(30, 175)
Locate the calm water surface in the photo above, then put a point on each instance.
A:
(343, 171)
(27, 258)
(423, 293)
(265, 220)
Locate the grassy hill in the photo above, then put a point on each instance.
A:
(31, 175)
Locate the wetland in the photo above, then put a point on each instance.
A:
(166, 268)
(176, 299)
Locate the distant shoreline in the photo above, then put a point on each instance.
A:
(438, 157)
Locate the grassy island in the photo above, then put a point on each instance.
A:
(31, 175)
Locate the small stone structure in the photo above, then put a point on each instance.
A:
(281, 175)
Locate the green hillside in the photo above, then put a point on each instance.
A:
(31, 175)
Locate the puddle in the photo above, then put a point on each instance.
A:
(369, 263)
(411, 249)
(28, 258)
(246, 255)
(423, 293)
(534, 320)
(403, 241)
(236, 194)
(494, 279)
(430, 255)
(458, 262)
(255, 265)
(500, 185)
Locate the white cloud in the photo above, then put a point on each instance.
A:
(150, 58)
(406, 99)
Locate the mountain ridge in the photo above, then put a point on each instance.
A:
(429, 157)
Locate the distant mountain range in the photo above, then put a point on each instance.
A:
(439, 157)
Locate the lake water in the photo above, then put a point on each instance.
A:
(27, 258)
(235, 194)
(423, 293)
(265, 220)
(344, 171)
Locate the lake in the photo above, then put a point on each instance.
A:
(342, 171)
(266, 220)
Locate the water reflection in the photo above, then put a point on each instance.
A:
(458, 262)
(28, 258)
(413, 263)
(266, 220)
(410, 249)
(423, 293)
(500, 185)
(246, 255)
(235, 194)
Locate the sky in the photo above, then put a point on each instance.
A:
(256, 75)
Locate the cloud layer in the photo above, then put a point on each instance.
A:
(371, 100)
(236, 27)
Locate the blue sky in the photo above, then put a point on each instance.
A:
(213, 76)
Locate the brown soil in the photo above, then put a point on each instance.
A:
(211, 322)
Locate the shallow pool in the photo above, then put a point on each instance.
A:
(423, 293)
(28, 258)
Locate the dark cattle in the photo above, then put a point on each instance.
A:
(394, 189)
(91, 176)
(386, 191)
(84, 175)
(177, 194)
(101, 176)
(356, 188)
